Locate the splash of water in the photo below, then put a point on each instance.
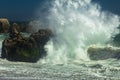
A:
(77, 24)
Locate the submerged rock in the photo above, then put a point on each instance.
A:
(102, 53)
(26, 49)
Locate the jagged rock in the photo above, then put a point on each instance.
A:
(20, 50)
(4, 25)
(42, 37)
(22, 25)
(27, 49)
(17, 27)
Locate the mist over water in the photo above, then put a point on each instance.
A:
(76, 25)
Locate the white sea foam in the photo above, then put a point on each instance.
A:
(76, 25)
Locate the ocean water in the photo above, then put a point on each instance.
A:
(91, 70)
(76, 25)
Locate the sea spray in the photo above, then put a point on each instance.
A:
(76, 24)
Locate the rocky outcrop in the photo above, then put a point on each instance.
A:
(4, 25)
(102, 53)
(42, 37)
(116, 40)
(27, 49)
(24, 49)
(22, 25)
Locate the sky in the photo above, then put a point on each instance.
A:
(23, 10)
(110, 5)
(18, 9)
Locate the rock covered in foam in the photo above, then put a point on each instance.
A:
(102, 53)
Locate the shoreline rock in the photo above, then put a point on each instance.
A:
(4, 25)
(25, 49)
(102, 53)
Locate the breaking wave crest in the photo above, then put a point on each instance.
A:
(76, 25)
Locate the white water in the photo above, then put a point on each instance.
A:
(77, 24)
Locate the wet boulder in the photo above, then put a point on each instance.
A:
(102, 53)
(25, 49)
(4, 25)
(17, 27)
(42, 37)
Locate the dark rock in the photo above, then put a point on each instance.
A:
(20, 50)
(25, 49)
(4, 25)
(102, 53)
(42, 37)
(23, 25)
